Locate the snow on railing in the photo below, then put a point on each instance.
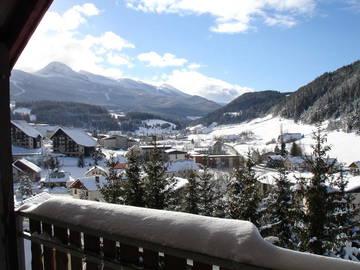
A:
(70, 233)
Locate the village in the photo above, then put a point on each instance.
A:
(64, 161)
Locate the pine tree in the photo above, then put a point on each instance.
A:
(81, 162)
(191, 194)
(97, 155)
(242, 193)
(25, 186)
(134, 186)
(206, 192)
(343, 221)
(280, 211)
(295, 150)
(158, 188)
(326, 219)
(113, 190)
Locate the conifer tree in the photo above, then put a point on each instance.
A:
(242, 194)
(81, 162)
(113, 190)
(326, 217)
(158, 187)
(134, 186)
(191, 194)
(206, 192)
(280, 212)
(97, 155)
(295, 150)
(25, 187)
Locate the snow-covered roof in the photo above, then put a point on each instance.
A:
(228, 239)
(96, 170)
(90, 182)
(20, 151)
(79, 136)
(180, 182)
(58, 177)
(28, 164)
(37, 199)
(181, 165)
(356, 163)
(26, 128)
(295, 160)
(276, 157)
(174, 151)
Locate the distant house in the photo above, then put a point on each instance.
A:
(290, 137)
(217, 148)
(73, 142)
(87, 188)
(24, 167)
(24, 135)
(274, 161)
(96, 170)
(174, 154)
(57, 179)
(355, 167)
(295, 164)
(217, 161)
(147, 149)
(117, 142)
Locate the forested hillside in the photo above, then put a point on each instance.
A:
(330, 96)
(245, 107)
(71, 114)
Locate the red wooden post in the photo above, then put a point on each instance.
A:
(174, 263)
(110, 251)
(75, 241)
(49, 262)
(61, 257)
(91, 244)
(36, 253)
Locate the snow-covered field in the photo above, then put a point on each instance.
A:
(156, 126)
(345, 146)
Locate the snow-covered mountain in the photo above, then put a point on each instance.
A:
(59, 82)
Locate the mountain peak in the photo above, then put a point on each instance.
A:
(56, 68)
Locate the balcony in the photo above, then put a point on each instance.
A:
(79, 234)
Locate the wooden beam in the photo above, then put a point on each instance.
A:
(8, 241)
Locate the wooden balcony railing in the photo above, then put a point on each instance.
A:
(77, 234)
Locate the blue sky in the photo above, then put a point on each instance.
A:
(216, 49)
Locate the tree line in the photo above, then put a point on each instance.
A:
(315, 214)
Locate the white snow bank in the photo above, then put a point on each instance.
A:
(223, 238)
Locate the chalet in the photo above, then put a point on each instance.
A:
(24, 135)
(355, 167)
(96, 170)
(24, 167)
(217, 148)
(87, 187)
(174, 154)
(73, 142)
(57, 179)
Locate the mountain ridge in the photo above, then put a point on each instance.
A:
(58, 82)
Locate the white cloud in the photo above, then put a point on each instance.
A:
(57, 39)
(196, 83)
(119, 60)
(194, 66)
(167, 60)
(232, 16)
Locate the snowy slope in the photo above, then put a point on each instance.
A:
(156, 126)
(345, 146)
